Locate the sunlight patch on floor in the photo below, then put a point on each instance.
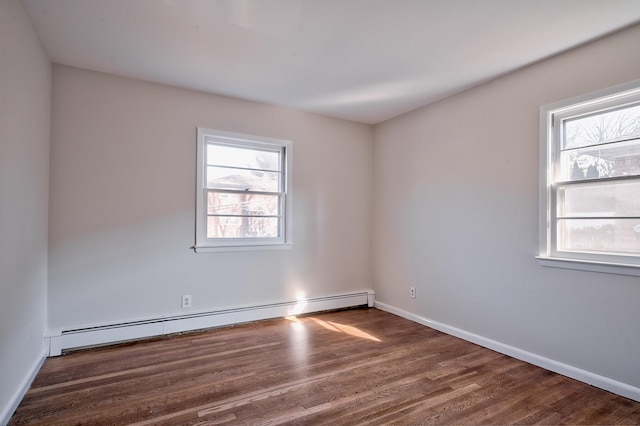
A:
(297, 324)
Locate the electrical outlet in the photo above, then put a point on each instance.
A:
(186, 301)
(412, 292)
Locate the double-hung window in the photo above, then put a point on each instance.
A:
(243, 192)
(590, 182)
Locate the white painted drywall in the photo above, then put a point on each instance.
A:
(456, 216)
(122, 211)
(25, 93)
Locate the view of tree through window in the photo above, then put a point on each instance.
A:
(602, 145)
(598, 189)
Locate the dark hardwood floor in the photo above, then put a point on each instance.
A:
(355, 367)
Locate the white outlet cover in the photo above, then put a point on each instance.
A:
(186, 301)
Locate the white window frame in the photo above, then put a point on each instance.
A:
(550, 116)
(284, 240)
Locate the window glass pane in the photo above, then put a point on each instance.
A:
(223, 203)
(242, 227)
(621, 198)
(242, 180)
(615, 159)
(603, 127)
(616, 236)
(223, 155)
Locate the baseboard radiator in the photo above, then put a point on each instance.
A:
(64, 339)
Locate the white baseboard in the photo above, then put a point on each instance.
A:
(61, 339)
(588, 377)
(8, 411)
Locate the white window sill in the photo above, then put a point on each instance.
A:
(590, 266)
(253, 247)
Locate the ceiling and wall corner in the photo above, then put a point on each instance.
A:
(360, 60)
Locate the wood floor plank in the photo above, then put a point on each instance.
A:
(354, 367)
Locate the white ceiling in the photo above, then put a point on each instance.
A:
(361, 60)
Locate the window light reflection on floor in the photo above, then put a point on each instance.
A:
(297, 324)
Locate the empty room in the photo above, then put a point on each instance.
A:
(319, 211)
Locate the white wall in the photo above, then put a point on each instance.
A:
(25, 93)
(456, 215)
(122, 212)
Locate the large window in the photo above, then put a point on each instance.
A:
(591, 182)
(243, 192)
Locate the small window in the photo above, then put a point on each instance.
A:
(591, 181)
(243, 192)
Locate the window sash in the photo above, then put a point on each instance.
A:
(251, 213)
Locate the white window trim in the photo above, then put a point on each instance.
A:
(548, 257)
(208, 245)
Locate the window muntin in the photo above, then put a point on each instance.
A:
(592, 170)
(243, 191)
